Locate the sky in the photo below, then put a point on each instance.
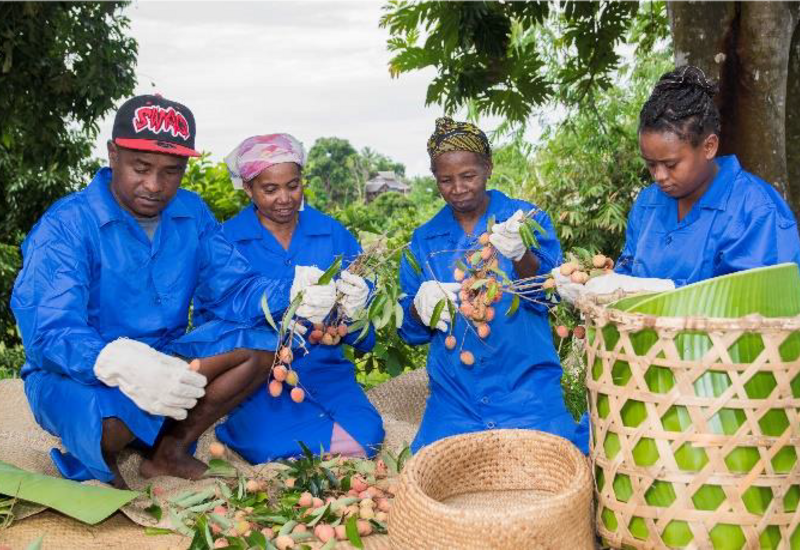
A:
(311, 69)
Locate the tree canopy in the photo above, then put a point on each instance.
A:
(63, 65)
(493, 56)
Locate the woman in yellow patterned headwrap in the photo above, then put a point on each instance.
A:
(514, 380)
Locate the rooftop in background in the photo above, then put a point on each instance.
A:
(383, 183)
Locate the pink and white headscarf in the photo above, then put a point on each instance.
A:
(257, 153)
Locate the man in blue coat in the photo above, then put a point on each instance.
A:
(103, 298)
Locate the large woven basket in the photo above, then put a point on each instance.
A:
(501, 489)
(694, 451)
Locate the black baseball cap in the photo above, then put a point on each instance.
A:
(152, 123)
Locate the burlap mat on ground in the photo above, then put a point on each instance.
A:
(24, 444)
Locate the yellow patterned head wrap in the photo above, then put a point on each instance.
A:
(450, 135)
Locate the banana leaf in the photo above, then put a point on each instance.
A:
(86, 503)
(772, 292)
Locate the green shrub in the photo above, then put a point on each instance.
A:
(11, 361)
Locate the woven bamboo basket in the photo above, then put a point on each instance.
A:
(695, 429)
(501, 489)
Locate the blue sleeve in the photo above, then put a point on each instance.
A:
(759, 241)
(624, 264)
(50, 302)
(351, 250)
(412, 331)
(227, 285)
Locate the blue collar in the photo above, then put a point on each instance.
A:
(717, 195)
(107, 209)
(246, 226)
(444, 222)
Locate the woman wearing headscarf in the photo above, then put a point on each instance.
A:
(285, 239)
(514, 381)
(704, 216)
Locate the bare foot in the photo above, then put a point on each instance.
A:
(117, 482)
(178, 465)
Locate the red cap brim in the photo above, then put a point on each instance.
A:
(157, 146)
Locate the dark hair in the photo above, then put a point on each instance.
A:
(682, 102)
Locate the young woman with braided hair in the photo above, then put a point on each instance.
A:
(705, 215)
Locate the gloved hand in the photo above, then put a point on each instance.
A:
(318, 300)
(506, 239)
(428, 295)
(606, 284)
(568, 290)
(158, 383)
(355, 293)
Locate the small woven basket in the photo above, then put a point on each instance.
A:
(500, 489)
(695, 429)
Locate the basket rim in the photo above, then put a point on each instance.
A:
(579, 482)
(596, 307)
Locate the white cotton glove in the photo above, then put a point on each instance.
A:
(606, 284)
(318, 300)
(354, 291)
(569, 291)
(158, 383)
(428, 295)
(506, 239)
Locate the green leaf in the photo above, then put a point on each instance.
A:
(256, 539)
(362, 334)
(412, 261)
(437, 312)
(331, 272)
(451, 309)
(462, 266)
(220, 468)
(475, 259)
(290, 313)
(478, 284)
(155, 511)
(402, 458)
(491, 292)
(512, 309)
(398, 315)
(535, 226)
(351, 528)
(503, 275)
(157, 531)
(527, 237)
(177, 521)
(287, 527)
(37, 544)
(268, 313)
(85, 503)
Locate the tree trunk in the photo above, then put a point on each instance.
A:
(793, 116)
(746, 46)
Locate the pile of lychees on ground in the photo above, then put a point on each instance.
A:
(311, 503)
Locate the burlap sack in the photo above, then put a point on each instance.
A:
(24, 444)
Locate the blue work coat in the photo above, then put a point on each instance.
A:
(739, 223)
(515, 381)
(265, 428)
(90, 275)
